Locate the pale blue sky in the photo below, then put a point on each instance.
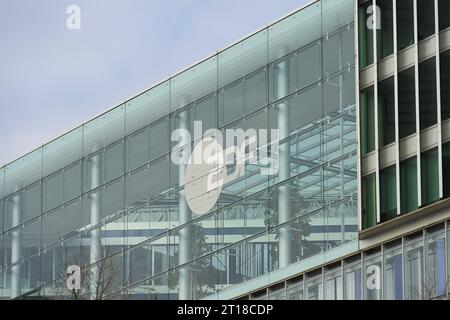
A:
(53, 79)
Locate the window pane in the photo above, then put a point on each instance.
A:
(365, 35)
(430, 176)
(255, 94)
(408, 185)
(114, 161)
(444, 14)
(425, 17)
(445, 82)
(393, 273)
(352, 281)
(309, 65)
(367, 121)
(427, 88)
(435, 263)
(386, 112)
(295, 289)
(406, 103)
(333, 284)
(446, 168)
(372, 277)
(413, 261)
(32, 201)
(405, 24)
(159, 139)
(369, 203)
(314, 288)
(385, 33)
(388, 194)
(137, 149)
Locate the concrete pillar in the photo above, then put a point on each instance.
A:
(16, 244)
(185, 235)
(284, 210)
(96, 204)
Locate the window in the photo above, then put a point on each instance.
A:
(408, 185)
(427, 88)
(369, 202)
(406, 103)
(137, 149)
(367, 117)
(314, 287)
(435, 263)
(405, 23)
(333, 284)
(430, 176)
(352, 280)
(445, 82)
(446, 169)
(365, 35)
(372, 276)
(388, 194)
(425, 18)
(393, 272)
(386, 112)
(295, 289)
(444, 14)
(413, 261)
(385, 33)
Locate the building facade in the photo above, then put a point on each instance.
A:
(325, 174)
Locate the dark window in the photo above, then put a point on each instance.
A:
(427, 89)
(408, 185)
(446, 168)
(386, 112)
(385, 35)
(369, 202)
(445, 84)
(405, 24)
(388, 194)
(367, 117)
(430, 176)
(425, 17)
(406, 103)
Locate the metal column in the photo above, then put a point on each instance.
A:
(284, 210)
(95, 252)
(185, 237)
(16, 245)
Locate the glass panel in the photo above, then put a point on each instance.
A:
(194, 83)
(372, 276)
(333, 284)
(446, 169)
(445, 80)
(277, 292)
(335, 14)
(388, 194)
(314, 288)
(63, 151)
(405, 24)
(386, 112)
(295, 31)
(427, 88)
(385, 33)
(408, 185)
(406, 103)
(352, 281)
(435, 282)
(425, 18)
(414, 265)
(444, 15)
(147, 107)
(114, 161)
(365, 18)
(103, 130)
(32, 201)
(159, 138)
(393, 273)
(309, 65)
(367, 121)
(368, 202)
(243, 58)
(295, 289)
(137, 149)
(61, 223)
(231, 103)
(430, 176)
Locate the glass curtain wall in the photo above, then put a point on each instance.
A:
(109, 193)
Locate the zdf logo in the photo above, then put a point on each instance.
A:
(209, 166)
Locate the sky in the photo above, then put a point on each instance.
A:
(53, 79)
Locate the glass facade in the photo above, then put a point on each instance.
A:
(107, 196)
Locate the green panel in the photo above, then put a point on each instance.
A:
(365, 38)
(369, 202)
(367, 120)
(446, 169)
(386, 112)
(408, 185)
(388, 194)
(430, 176)
(385, 40)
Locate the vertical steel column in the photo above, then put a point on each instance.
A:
(375, 99)
(438, 98)
(185, 236)
(358, 122)
(397, 124)
(95, 252)
(284, 210)
(416, 76)
(16, 244)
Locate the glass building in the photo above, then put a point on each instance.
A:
(347, 96)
